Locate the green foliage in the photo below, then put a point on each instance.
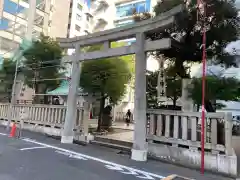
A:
(222, 27)
(174, 88)
(227, 89)
(129, 59)
(107, 77)
(7, 77)
(43, 61)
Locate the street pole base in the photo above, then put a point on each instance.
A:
(85, 138)
(67, 139)
(139, 155)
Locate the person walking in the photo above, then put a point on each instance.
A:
(128, 117)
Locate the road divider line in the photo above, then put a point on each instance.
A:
(32, 148)
(93, 158)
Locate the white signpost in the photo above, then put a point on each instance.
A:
(22, 115)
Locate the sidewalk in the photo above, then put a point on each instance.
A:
(122, 132)
(126, 136)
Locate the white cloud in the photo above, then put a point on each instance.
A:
(196, 71)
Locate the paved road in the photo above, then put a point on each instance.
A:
(38, 157)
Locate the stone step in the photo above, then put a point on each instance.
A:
(112, 143)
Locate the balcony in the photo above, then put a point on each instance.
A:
(41, 5)
(101, 23)
(99, 5)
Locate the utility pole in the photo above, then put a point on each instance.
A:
(201, 13)
(18, 55)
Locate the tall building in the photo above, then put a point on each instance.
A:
(80, 20)
(88, 16)
(20, 19)
(30, 18)
(126, 8)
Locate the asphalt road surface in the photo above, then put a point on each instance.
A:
(37, 157)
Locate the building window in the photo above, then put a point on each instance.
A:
(49, 23)
(69, 25)
(70, 16)
(123, 24)
(79, 6)
(51, 8)
(86, 32)
(128, 10)
(88, 17)
(77, 28)
(78, 17)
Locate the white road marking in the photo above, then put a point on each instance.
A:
(3, 134)
(146, 175)
(31, 148)
(116, 168)
(130, 172)
(71, 155)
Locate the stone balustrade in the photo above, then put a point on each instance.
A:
(47, 119)
(176, 136)
(45, 115)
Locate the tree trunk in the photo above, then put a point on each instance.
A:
(46, 99)
(9, 96)
(102, 104)
(36, 98)
(174, 103)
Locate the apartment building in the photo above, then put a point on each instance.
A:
(21, 18)
(88, 16)
(126, 8)
(80, 21)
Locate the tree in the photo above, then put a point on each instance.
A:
(173, 89)
(107, 78)
(217, 88)
(222, 16)
(7, 77)
(42, 65)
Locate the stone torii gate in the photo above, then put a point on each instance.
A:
(140, 47)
